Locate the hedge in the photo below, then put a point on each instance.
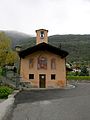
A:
(78, 77)
(5, 91)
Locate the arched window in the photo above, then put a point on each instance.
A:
(42, 34)
(53, 63)
(31, 63)
(42, 63)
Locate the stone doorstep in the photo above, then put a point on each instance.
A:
(68, 86)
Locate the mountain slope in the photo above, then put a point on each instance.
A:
(16, 37)
(78, 46)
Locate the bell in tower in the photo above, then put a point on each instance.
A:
(42, 36)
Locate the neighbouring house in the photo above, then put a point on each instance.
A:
(68, 67)
(43, 65)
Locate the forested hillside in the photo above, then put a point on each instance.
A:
(78, 46)
(16, 37)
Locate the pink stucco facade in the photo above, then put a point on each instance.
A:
(59, 71)
(43, 65)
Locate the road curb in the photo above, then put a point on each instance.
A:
(6, 105)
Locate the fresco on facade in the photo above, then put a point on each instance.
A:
(42, 63)
(31, 63)
(53, 63)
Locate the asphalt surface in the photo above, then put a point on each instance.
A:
(57, 104)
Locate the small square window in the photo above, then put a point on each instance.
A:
(31, 76)
(53, 76)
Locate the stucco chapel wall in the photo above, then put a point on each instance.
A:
(60, 70)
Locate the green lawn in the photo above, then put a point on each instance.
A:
(78, 77)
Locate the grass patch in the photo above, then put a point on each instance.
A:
(78, 77)
(5, 91)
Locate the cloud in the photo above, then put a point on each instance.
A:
(60, 17)
(86, 0)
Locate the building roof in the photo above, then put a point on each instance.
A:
(43, 47)
(41, 30)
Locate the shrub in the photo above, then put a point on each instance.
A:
(5, 91)
(84, 71)
(78, 77)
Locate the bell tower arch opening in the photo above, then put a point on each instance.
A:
(41, 36)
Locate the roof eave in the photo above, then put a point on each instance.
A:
(42, 47)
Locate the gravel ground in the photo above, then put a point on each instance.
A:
(58, 104)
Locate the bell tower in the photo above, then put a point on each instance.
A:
(41, 36)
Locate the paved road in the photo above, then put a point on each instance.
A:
(72, 104)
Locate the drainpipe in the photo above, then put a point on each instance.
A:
(66, 71)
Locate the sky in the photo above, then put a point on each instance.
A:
(57, 16)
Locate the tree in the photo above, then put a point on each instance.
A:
(7, 55)
(11, 57)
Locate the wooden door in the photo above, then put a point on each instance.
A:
(42, 80)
